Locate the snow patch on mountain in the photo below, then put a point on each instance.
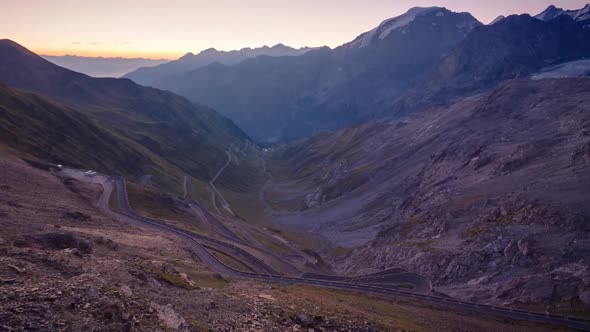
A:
(498, 19)
(392, 24)
(570, 69)
(577, 14)
(583, 14)
(466, 26)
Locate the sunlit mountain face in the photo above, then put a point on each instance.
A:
(410, 166)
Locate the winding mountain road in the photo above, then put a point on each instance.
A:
(217, 225)
(125, 208)
(215, 193)
(194, 241)
(223, 231)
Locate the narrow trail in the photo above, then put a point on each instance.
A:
(231, 157)
(215, 193)
(212, 219)
(146, 180)
(246, 233)
(268, 209)
(270, 212)
(184, 186)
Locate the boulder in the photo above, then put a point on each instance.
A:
(511, 249)
(84, 247)
(64, 240)
(58, 241)
(169, 317)
(585, 297)
(307, 322)
(112, 311)
(524, 247)
(77, 216)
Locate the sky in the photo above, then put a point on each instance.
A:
(168, 29)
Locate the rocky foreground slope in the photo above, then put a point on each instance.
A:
(65, 266)
(488, 198)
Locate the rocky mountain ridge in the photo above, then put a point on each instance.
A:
(515, 47)
(581, 15)
(325, 89)
(149, 75)
(485, 197)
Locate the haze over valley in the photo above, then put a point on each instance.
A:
(429, 174)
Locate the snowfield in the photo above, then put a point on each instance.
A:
(576, 68)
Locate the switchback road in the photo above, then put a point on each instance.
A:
(195, 240)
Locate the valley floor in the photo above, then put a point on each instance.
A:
(65, 266)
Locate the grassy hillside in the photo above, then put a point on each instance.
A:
(147, 130)
(35, 127)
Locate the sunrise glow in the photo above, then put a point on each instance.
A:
(160, 29)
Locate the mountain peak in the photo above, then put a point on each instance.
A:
(13, 44)
(401, 23)
(187, 55)
(583, 14)
(14, 53)
(552, 12)
(149, 75)
(10, 41)
(210, 50)
(497, 19)
(281, 46)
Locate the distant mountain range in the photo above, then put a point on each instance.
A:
(148, 75)
(579, 15)
(281, 98)
(515, 47)
(388, 70)
(102, 67)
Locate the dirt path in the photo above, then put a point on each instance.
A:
(270, 212)
(146, 180)
(215, 194)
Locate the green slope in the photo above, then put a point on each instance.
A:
(148, 130)
(35, 127)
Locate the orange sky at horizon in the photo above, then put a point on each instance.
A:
(109, 53)
(157, 29)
